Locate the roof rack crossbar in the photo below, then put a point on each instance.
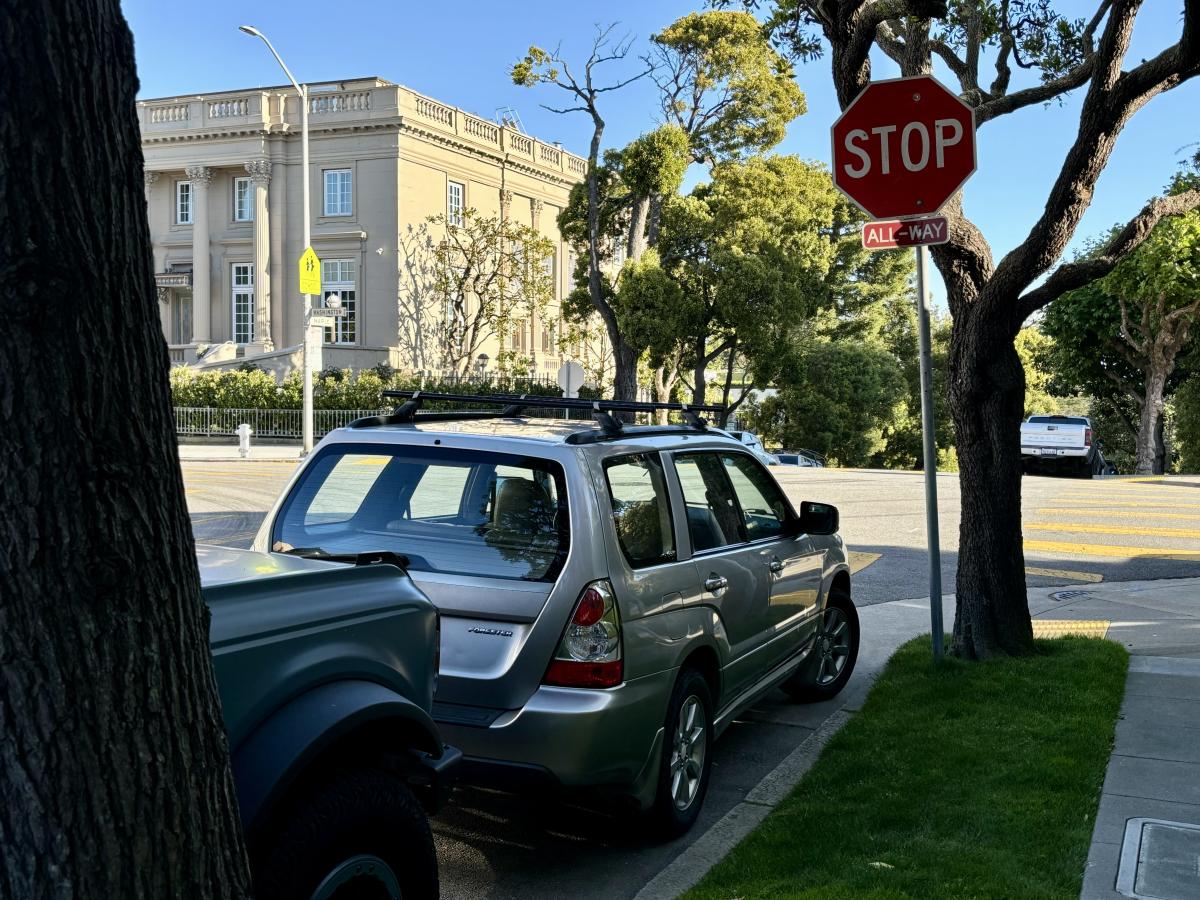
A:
(536, 402)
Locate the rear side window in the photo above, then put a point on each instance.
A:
(764, 510)
(641, 509)
(461, 512)
(713, 516)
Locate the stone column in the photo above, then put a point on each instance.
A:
(278, 282)
(535, 213)
(506, 199)
(149, 178)
(200, 176)
(260, 174)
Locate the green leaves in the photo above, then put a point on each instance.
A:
(725, 85)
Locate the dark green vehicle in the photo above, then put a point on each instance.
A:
(326, 674)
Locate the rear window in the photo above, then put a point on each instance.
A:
(461, 512)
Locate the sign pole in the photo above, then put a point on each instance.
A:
(930, 449)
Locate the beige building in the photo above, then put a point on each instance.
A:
(224, 192)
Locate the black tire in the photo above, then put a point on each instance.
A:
(357, 812)
(667, 819)
(809, 684)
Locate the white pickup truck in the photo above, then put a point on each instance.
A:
(1063, 443)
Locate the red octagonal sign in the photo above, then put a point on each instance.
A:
(903, 147)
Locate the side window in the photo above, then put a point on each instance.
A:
(764, 509)
(713, 517)
(342, 491)
(439, 493)
(641, 509)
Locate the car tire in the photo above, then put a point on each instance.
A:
(357, 833)
(815, 681)
(682, 778)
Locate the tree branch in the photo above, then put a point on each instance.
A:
(1077, 274)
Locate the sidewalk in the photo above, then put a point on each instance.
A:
(1146, 839)
(260, 452)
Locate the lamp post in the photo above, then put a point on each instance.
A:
(305, 360)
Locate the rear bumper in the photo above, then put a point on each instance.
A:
(571, 736)
(1056, 452)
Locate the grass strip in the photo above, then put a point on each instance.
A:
(962, 780)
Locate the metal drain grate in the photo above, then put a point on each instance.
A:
(1160, 860)
(1069, 595)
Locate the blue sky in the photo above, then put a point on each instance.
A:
(460, 53)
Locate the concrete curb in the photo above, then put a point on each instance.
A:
(714, 845)
(1165, 665)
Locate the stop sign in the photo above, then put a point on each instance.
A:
(903, 147)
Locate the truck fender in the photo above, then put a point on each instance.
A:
(270, 759)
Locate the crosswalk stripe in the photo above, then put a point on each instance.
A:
(1065, 574)
(1096, 511)
(1072, 548)
(1090, 528)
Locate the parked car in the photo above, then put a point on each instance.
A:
(750, 440)
(326, 674)
(612, 596)
(1061, 444)
(807, 458)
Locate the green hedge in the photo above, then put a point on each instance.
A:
(332, 388)
(1187, 424)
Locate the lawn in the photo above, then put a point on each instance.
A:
(956, 781)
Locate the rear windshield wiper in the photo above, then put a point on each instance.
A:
(366, 558)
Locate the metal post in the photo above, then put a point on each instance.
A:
(305, 361)
(930, 448)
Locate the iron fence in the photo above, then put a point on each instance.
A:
(198, 421)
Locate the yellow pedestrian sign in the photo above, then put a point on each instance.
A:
(310, 272)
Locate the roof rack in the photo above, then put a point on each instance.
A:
(513, 406)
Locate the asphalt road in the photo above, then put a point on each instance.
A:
(494, 844)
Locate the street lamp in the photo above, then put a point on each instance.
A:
(305, 360)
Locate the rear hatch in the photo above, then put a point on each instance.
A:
(1054, 432)
(486, 535)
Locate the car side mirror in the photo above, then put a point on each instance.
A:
(818, 518)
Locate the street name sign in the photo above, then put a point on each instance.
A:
(310, 272)
(903, 147)
(888, 235)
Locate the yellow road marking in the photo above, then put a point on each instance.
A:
(1053, 628)
(1101, 503)
(1142, 478)
(1089, 528)
(1065, 574)
(1071, 548)
(860, 559)
(1100, 511)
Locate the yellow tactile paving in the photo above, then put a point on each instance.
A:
(1092, 528)
(1100, 503)
(1054, 628)
(1070, 548)
(1065, 574)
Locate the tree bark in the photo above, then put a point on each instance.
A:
(699, 372)
(1149, 437)
(987, 396)
(636, 240)
(114, 762)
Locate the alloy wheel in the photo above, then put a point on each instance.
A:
(833, 645)
(362, 877)
(687, 752)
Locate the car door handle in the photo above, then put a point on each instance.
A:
(714, 583)
(776, 566)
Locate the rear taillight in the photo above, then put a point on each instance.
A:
(1087, 437)
(589, 654)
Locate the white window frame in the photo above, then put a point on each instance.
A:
(241, 214)
(184, 211)
(455, 205)
(242, 298)
(334, 281)
(344, 205)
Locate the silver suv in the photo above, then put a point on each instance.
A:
(611, 596)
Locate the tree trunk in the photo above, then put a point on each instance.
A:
(663, 384)
(987, 396)
(114, 763)
(699, 373)
(636, 240)
(1161, 454)
(654, 222)
(625, 384)
(1149, 461)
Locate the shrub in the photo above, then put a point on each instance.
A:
(1187, 424)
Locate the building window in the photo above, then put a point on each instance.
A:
(243, 303)
(548, 339)
(517, 339)
(455, 194)
(243, 200)
(183, 203)
(338, 280)
(339, 188)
